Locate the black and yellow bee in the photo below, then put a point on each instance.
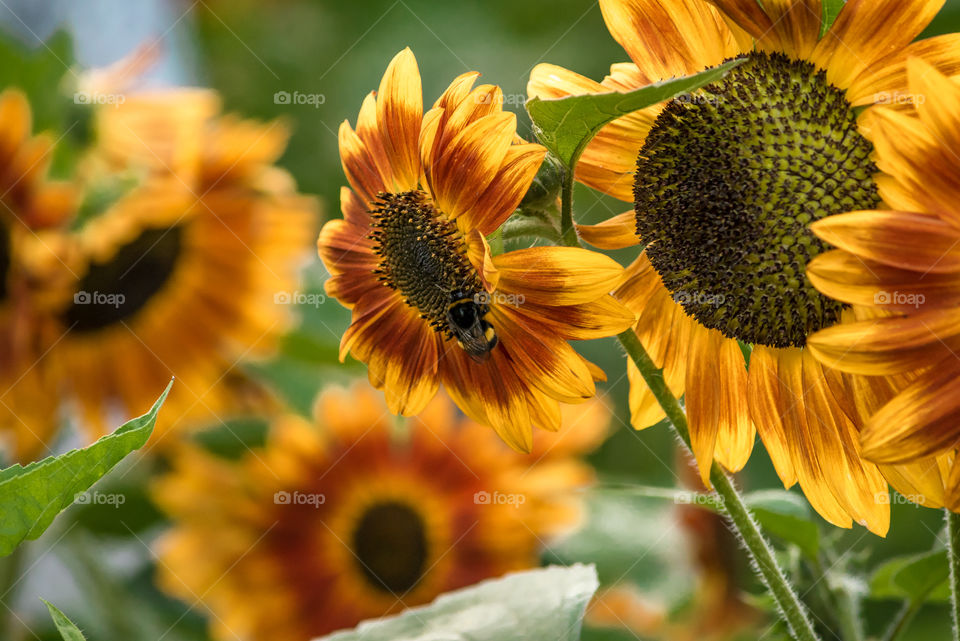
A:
(465, 319)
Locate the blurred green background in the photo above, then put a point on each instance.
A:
(251, 49)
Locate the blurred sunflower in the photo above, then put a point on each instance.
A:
(900, 271)
(430, 302)
(724, 183)
(351, 518)
(180, 275)
(31, 208)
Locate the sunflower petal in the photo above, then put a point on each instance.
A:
(399, 113)
(763, 394)
(887, 78)
(615, 233)
(703, 398)
(558, 275)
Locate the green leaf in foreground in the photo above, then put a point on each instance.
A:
(914, 578)
(547, 603)
(831, 9)
(787, 517)
(32, 496)
(566, 125)
(68, 630)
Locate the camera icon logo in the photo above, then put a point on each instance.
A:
(81, 498)
(281, 98)
(82, 298)
(882, 298)
(281, 498)
(481, 498)
(282, 298)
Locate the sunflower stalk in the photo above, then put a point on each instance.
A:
(953, 544)
(733, 506)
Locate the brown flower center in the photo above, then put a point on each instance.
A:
(390, 544)
(115, 290)
(727, 184)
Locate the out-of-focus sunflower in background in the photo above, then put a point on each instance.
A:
(348, 518)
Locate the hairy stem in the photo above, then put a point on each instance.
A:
(743, 523)
(953, 549)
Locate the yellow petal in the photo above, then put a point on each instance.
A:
(399, 113)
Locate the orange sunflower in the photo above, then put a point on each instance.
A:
(352, 518)
(181, 275)
(724, 183)
(430, 302)
(31, 208)
(901, 271)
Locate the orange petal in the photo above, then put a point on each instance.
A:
(924, 420)
(558, 275)
(703, 397)
(507, 189)
(863, 33)
(735, 433)
(615, 233)
(898, 239)
(886, 79)
(763, 392)
(399, 113)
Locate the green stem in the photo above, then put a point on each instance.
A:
(903, 619)
(789, 604)
(568, 232)
(844, 604)
(10, 573)
(953, 549)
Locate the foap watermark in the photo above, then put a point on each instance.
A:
(97, 98)
(498, 498)
(99, 298)
(299, 98)
(698, 498)
(499, 298)
(899, 298)
(895, 498)
(514, 99)
(898, 98)
(100, 498)
(700, 99)
(698, 298)
(299, 298)
(299, 498)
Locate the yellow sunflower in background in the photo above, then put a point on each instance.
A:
(31, 209)
(353, 517)
(430, 302)
(901, 271)
(725, 183)
(181, 275)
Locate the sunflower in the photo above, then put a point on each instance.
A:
(181, 276)
(724, 184)
(31, 208)
(351, 518)
(900, 271)
(430, 302)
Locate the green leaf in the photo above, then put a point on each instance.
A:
(914, 578)
(543, 604)
(68, 630)
(831, 9)
(787, 517)
(566, 125)
(32, 496)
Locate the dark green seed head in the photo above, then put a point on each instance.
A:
(727, 184)
(422, 256)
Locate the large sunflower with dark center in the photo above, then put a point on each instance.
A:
(723, 187)
(727, 184)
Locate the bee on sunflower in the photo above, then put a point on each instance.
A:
(899, 269)
(348, 518)
(430, 302)
(724, 184)
(179, 275)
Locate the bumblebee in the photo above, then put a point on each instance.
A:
(465, 319)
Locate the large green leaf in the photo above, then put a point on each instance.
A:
(32, 496)
(541, 605)
(68, 630)
(787, 517)
(914, 578)
(566, 125)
